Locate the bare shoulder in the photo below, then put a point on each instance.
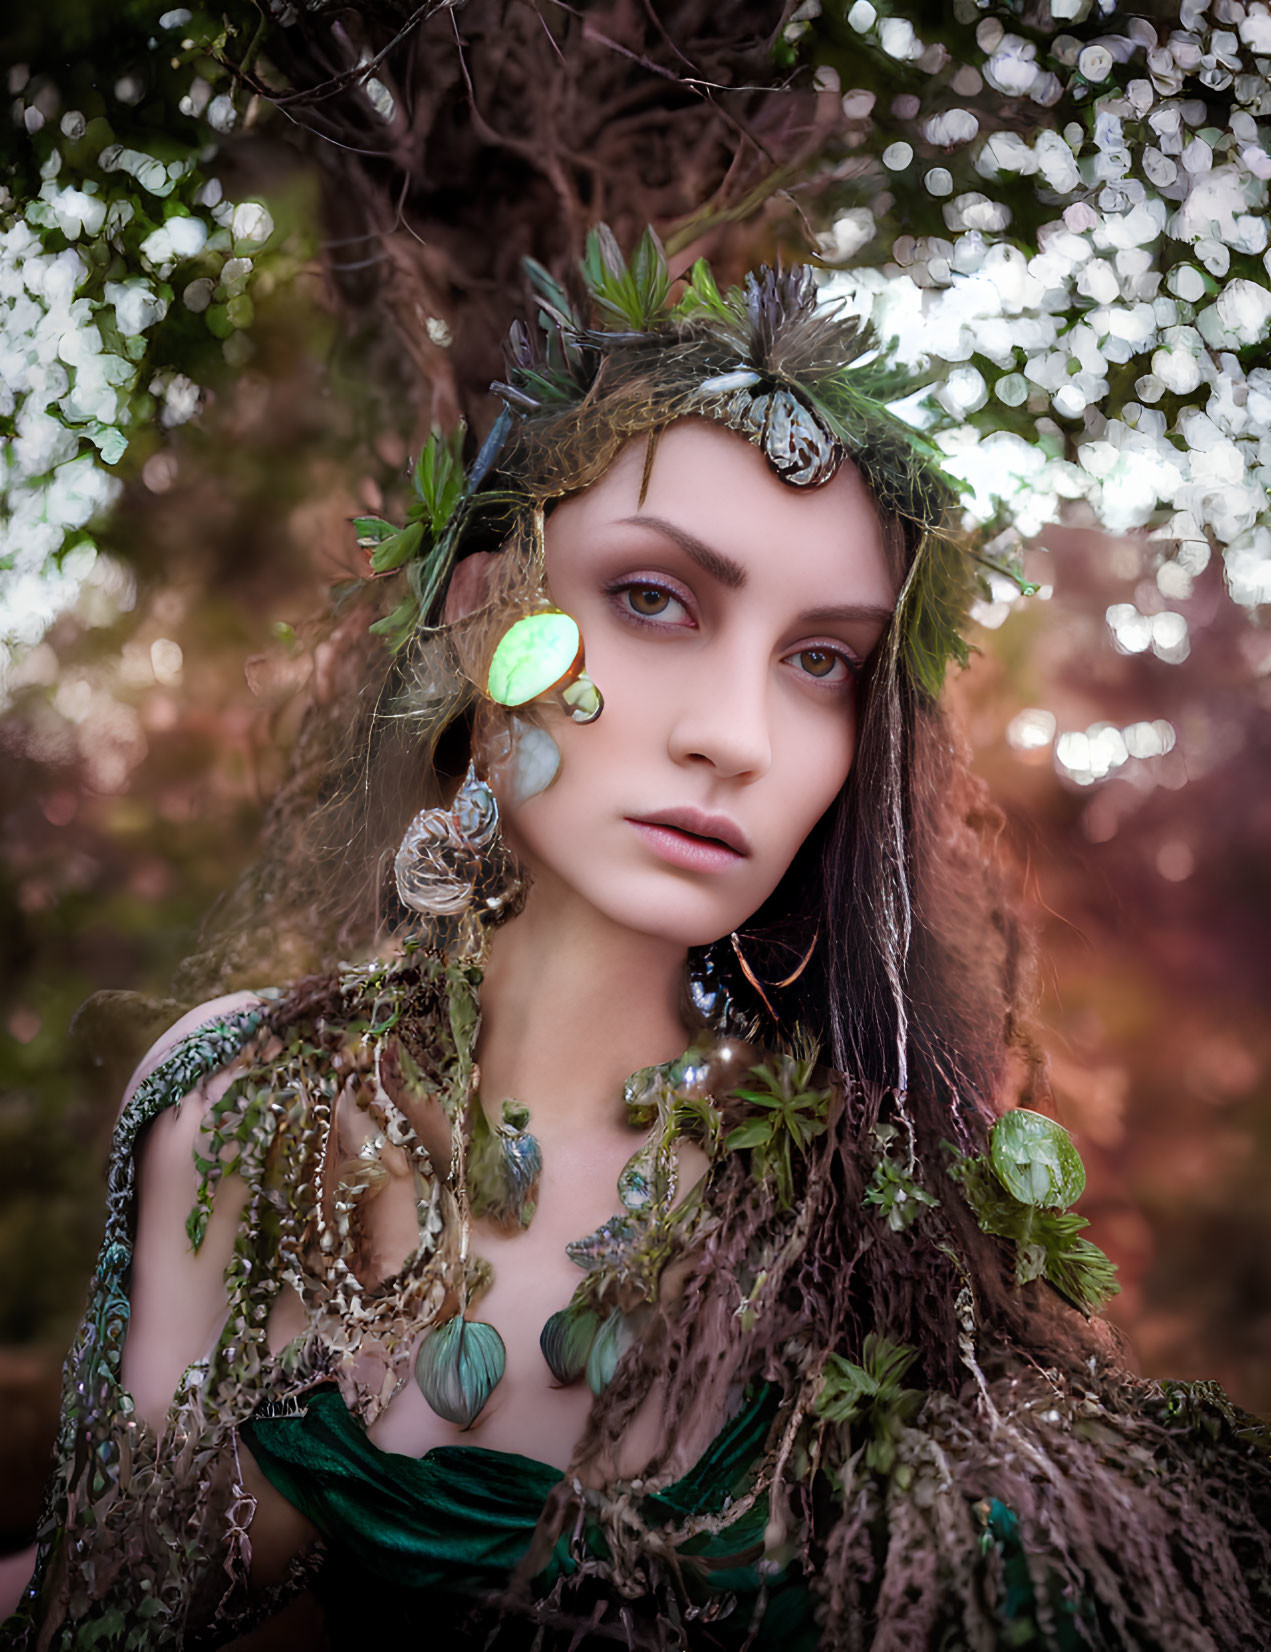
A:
(191, 1021)
(177, 1293)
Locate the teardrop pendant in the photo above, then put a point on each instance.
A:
(504, 1166)
(566, 1341)
(458, 1367)
(614, 1337)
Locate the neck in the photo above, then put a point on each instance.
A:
(573, 1004)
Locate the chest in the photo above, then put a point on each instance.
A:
(532, 1277)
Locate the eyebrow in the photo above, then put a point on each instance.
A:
(733, 576)
(846, 611)
(719, 566)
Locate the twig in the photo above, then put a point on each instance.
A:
(348, 77)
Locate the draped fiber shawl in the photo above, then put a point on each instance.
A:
(1020, 1509)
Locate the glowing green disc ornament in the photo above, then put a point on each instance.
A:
(540, 655)
(534, 656)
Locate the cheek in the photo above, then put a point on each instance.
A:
(556, 824)
(813, 760)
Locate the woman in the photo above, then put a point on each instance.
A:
(826, 1378)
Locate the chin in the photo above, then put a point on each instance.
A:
(681, 910)
(677, 916)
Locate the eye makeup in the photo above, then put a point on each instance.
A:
(624, 591)
(627, 591)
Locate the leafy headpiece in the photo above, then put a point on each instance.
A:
(802, 381)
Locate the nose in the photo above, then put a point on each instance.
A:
(723, 718)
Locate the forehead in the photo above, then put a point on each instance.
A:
(713, 483)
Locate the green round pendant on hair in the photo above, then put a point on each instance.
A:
(1035, 1160)
(534, 656)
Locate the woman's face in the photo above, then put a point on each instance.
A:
(725, 621)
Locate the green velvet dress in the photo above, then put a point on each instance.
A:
(428, 1539)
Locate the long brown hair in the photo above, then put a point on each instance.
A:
(916, 990)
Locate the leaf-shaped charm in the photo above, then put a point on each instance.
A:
(640, 1185)
(458, 1367)
(608, 1246)
(504, 1165)
(613, 1339)
(533, 763)
(634, 1186)
(566, 1341)
(1035, 1160)
(642, 1093)
(522, 1167)
(534, 656)
(802, 450)
(798, 446)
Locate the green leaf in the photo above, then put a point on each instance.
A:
(1048, 1243)
(372, 530)
(895, 1194)
(399, 548)
(105, 1628)
(1077, 1268)
(759, 1098)
(439, 475)
(1035, 1160)
(804, 1127)
(649, 275)
(750, 1133)
(398, 625)
(870, 1398)
(550, 291)
(635, 297)
(701, 296)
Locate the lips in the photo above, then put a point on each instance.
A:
(713, 829)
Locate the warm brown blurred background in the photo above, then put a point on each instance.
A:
(143, 736)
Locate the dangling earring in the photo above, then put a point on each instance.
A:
(452, 861)
(789, 981)
(541, 655)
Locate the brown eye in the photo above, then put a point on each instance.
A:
(818, 662)
(648, 600)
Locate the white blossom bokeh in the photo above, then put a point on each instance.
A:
(99, 268)
(1109, 360)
